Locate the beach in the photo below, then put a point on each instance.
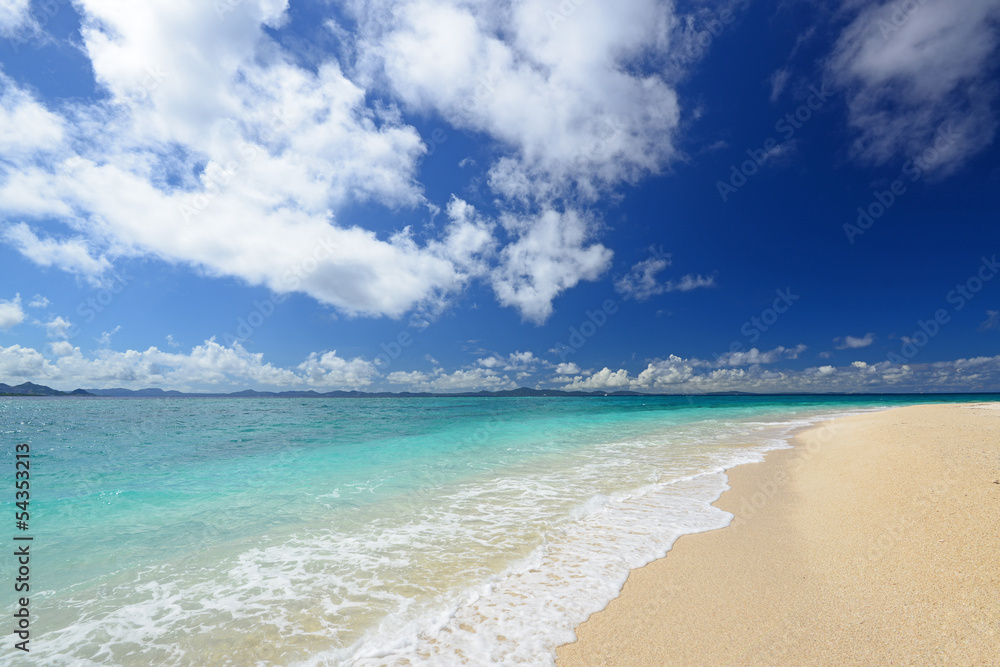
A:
(457, 531)
(875, 540)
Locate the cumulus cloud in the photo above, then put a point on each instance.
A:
(205, 366)
(551, 255)
(407, 377)
(468, 379)
(853, 343)
(23, 363)
(329, 370)
(58, 327)
(694, 376)
(572, 104)
(27, 128)
(911, 70)
(11, 313)
(218, 150)
(214, 367)
(755, 356)
(516, 361)
(233, 168)
(602, 379)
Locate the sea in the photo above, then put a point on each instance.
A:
(358, 531)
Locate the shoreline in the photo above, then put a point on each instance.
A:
(873, 539)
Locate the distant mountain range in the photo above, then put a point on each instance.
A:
(30, 389)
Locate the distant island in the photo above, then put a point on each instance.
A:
(31, 389)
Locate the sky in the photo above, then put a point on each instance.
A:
(445, 195)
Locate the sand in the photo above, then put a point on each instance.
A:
(875, 541)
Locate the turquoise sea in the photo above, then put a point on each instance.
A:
(376, 531)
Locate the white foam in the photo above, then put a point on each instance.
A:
(497, 569)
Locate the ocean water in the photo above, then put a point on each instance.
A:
(431, 531)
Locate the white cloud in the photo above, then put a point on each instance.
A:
(778, 81)
(992, 321)
(690, 282)
(62, 348)
(516, 361)
(233, 168)
(664, 373)
(755, 356)
(58, 327)
(695, 376)
(105, 337)
(23, 362)
(329, 370)
(205, 366)
(550, 256)
(14, 14)
(568, 101)
(71, 255)
(404, 377)
(911, 69)
(11, 313)
(641, 283)
(853, 343)
(26, 127)
(39, 301)
(213, 367)
(213, 148)
(474, 379)
(469, 379)
(602, 379)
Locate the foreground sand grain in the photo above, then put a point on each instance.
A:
(875, 541)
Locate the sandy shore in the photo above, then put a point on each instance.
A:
(875, 541)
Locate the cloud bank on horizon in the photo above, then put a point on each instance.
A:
(215, 141)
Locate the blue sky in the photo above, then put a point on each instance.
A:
(452, 196)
